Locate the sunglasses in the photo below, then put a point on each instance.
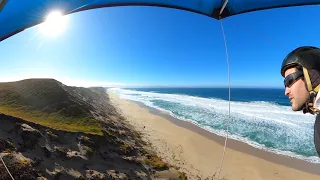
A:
(292, 78)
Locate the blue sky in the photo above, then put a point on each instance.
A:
(159, 46)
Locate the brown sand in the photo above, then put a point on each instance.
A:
(198, 152)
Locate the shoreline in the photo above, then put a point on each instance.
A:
(198, 152)
(238, 145)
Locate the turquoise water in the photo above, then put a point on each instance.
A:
(260, 117)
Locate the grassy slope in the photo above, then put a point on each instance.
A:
(50, 103)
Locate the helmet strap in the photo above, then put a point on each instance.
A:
(307, 79)
(312, 94)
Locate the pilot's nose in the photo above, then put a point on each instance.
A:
(287, 91)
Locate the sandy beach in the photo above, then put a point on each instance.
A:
(198, 152)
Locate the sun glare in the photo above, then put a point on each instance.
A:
(54, 24)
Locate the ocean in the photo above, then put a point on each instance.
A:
(259, 117)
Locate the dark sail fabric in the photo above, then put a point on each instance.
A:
(17, 15)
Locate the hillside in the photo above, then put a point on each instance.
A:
(51, 103)
(53, 131)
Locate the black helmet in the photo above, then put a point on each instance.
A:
(305, 56)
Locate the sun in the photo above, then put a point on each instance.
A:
(54, 24)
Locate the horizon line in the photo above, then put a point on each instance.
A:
(84, 83)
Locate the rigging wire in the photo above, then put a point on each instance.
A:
(228, 64)
(6, 168)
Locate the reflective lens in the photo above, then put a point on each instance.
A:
(292, 78)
